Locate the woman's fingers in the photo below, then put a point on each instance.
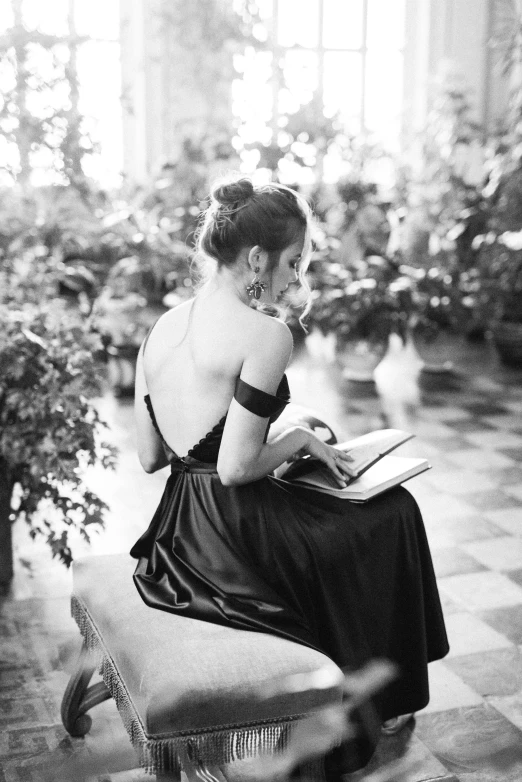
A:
(337, 473)
(344, 463)
(337, 461)
(344, 455)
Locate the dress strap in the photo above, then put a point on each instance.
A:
(256, 401)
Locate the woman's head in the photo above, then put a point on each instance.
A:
(242, 217)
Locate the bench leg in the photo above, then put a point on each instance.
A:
(211, 773)
(78, 697)
(202, 773)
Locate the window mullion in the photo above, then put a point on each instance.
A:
(364, 52)
(320, 55)
(276, 54)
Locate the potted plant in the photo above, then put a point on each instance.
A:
(500, 244)
(366, 303)
(497, 280)
(500, 284)
(151, 275)
(363, 292)
(49, 427)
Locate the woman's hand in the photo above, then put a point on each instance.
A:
(337, 461)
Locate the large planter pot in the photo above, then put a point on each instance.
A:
(507, 338)
(440, 359)
(121, 366)
(358, 359)
(124, 323)
(6, 541)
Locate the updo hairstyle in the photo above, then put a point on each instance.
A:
(240, 215)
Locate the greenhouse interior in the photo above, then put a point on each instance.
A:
(213, 617)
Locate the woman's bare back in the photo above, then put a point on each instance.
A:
(191, 361)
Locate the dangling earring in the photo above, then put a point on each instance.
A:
(256, 287)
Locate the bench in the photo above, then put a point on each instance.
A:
(186, 690)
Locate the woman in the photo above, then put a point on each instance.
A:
(230, 543)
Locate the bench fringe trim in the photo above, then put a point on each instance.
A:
(220, 746)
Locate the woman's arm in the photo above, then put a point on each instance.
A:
(243, 457)
(150, 448)
(255, 463)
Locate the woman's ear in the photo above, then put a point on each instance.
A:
(258, 259)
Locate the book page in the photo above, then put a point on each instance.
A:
(369, 447)
(388, 472)
(365, 450)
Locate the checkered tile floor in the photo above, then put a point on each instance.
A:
(470, 427)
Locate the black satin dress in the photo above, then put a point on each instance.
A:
(354, 581)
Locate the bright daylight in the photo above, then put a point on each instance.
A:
(260, 390)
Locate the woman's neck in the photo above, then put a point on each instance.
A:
(225, 282)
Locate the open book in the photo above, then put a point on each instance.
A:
(373, 470)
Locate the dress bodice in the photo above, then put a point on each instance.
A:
(252, 399)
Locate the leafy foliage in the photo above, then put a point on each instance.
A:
(377, 296)
(363, 287)
(147, 231)
(38, 70)
(42, 229)
(303, 139)
(499, 276)
(49, 428)
(497, 282)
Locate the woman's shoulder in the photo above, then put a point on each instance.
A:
(253, 330)
(179, 312)
(264, 329)
(265, 351)
(175, 315)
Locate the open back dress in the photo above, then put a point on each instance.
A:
(354, 581)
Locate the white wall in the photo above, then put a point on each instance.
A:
(133, 89)
(458, 33)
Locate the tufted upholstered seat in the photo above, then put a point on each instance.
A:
(185, 689)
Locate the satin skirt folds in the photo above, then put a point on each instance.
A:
(354, 581)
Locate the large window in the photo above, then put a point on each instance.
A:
(346, 54)
(94, 26)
